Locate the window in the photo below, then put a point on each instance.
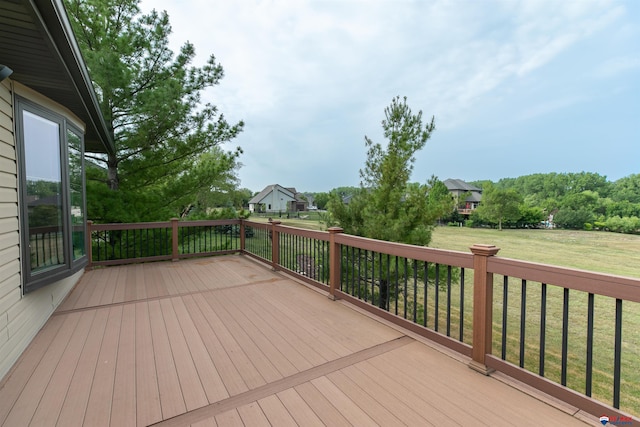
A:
(52, 202)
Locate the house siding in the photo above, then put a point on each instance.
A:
(278, 200)
(274, 198)
(21, 317)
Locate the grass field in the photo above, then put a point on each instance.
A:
(612, 253)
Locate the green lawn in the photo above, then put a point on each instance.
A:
(605, 252)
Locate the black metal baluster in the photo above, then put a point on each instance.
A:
(397, 283)
(425, 299)
(373, 277)
(523, 320)
(448, 300)
(127, 246)
(348, 267)
(543, 327)
(382, 301)
(617, 356)
(315, 259)
(505, 300)
(436, 300)
(325, 260)
(388, 301)
(207, 230)
(341, 250)
(589, 367)
(565, 336)
(97, 245)
(366, 272)
(351, 269)
(406, 267)
(292, 241)
(461, 338)
(359, 276)
(415, 291)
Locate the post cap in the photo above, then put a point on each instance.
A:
(482, 249)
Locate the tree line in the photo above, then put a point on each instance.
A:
(577, 201)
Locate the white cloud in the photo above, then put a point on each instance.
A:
(321, 72)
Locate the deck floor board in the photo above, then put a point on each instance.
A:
(225, 341)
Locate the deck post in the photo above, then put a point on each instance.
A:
(275, 245)
(482, 307)
(334, 262)
(174, 239)
(88, 246)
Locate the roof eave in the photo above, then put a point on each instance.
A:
(56, 25)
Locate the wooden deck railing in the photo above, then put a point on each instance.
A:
(570, 333)
(112, 244)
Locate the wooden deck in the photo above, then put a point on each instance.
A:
(225, 341)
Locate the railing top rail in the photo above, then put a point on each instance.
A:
(208, 222)
(625, 288)
(162, 224)
(130, 226)
(313, 234)
(420, 253)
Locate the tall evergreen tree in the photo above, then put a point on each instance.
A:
(151, 101)
(388, 207)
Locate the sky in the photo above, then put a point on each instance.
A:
(516, 87)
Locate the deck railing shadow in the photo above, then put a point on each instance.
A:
(570, 333)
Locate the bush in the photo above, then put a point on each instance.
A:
(623, 224)
(573, 219)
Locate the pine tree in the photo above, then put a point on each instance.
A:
(151, 101)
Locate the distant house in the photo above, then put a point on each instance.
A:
(49, 118)
(276, 198)
(470, 195)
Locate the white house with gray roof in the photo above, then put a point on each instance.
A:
(274, 198)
